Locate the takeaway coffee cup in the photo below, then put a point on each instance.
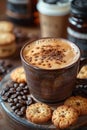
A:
(51, 66)
(53, 18)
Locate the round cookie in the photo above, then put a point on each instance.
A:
(18, 75)
(79, 103)
(38, 113)
(6, 26)
(64, 116)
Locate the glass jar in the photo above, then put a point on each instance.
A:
(20, 11)
(77, 29)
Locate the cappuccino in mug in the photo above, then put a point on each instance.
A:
(51, 66)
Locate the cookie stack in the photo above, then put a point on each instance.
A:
(7, 39)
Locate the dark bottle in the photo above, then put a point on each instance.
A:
(21, 11)
(77, 30)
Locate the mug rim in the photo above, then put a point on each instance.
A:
(43, 69)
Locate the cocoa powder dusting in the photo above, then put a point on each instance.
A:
(50, 53)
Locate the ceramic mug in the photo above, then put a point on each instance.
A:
(54, 84)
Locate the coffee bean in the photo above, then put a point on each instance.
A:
(24, 97)
(18, 105)
(22, 93)
(25, 91)
(15, 100)
(7, 94)
(13, 96)
(22, 85)
(23, 109)
(22, 102)
(16, 85)
(10, 100)
(19, 89)
(11, 104)
(13, 107)
(18, 93)
(12, 89)
(17, 110)
(4, 98)
(19, 113)
(19, 97)
(26, 87)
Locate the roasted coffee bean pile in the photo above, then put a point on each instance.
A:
(17, 95)
(4, 68)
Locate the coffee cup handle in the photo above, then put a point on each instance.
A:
(83, 62)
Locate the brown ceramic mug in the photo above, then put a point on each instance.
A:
(51, 67)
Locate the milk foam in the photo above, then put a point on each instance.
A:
(51, 53)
